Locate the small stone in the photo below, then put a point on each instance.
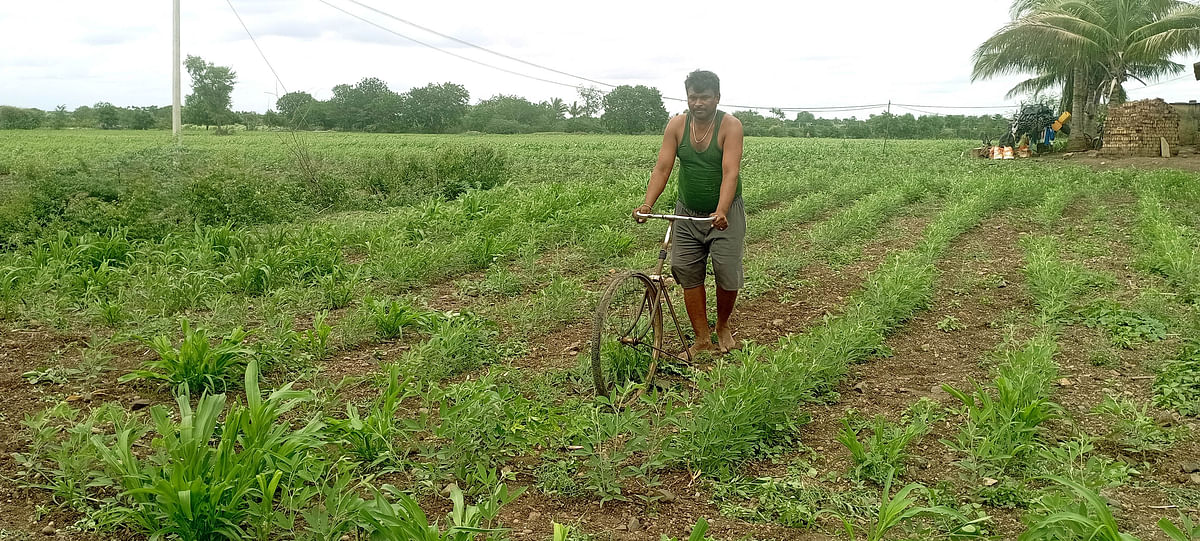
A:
(988, 481)
(526, 531)
(74, 398)
(139, 404)
(635, 525)
(48, 530)
(861, 387)
(446, 489)
(1064, 382)
(534, 516)
(346, 537)
(901, 390)
(1194, 478)
(1164, 419)
(666, 494)
(1190, 467)
(777, 322)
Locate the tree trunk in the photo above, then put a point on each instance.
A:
(1079, 110)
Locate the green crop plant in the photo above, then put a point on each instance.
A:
(395, 516)
(1167, 248)
(895, 509)
(1002, 420)
(60, 457)
(1077, 459)
(371, 438)
(1075, 513)
(338, 286)
(883, 453)
(1177, 383)
(207, 475)
(457, 342)
(393, 317)
(1056, 285)
(1186, 530)
(315, 341)
(196, 363)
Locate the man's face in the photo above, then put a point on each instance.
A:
(702, 103)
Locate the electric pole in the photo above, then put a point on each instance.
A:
(176, 114)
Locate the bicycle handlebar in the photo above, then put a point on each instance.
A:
(700, 219)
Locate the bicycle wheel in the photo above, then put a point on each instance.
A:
(627, 333)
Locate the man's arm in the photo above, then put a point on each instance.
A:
(665, 163)
(731, 166)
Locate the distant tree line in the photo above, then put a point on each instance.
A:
(370, 106)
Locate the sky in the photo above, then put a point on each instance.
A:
(795, 54)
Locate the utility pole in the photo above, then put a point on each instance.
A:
(176, 114)
(887, 126)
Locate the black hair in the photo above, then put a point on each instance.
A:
(701, 80)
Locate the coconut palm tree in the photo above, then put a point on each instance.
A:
(1091, 46)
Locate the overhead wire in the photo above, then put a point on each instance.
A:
(836, 108)
(255, 42)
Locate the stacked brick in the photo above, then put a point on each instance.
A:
(1135, 128)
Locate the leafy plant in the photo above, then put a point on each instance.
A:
(316, 340)
(206, 477)
(1177, 383)
(1186, 530)
(882, 456)
(404, 520)
(392, 317)
(457, 342)
(1125, 328)
(371, 438)
(196, 363)
(1079, 514)
(1133, 428)
(895, 509)
(950, 324)
(1000, 430)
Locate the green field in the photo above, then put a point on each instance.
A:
(352, 336)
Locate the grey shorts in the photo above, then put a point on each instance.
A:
(693, 243)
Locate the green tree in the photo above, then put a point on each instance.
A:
(559, 107)
(297, 109)
(509, 114)
(634, 109)
(58, 120)
(137, 118)
(208, 104)
(15, 118)
(108, 116)
(368, 105)
(591, 99)
(435, 108)
(1091, 47)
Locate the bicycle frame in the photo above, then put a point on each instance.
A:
(661, 295)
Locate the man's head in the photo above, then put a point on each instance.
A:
(703, 92)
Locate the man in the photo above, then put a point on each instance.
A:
(708, 144)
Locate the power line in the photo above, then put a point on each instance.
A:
(480, 47)
(906, 105)
(451, 53)
(1180, 78)
(255, 42)
(828, 109)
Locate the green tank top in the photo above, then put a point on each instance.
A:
(700, 172)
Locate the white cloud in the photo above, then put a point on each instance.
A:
(767, 53)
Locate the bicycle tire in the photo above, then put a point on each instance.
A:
(642, 329)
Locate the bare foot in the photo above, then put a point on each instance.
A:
(726, 341)
(699, 349)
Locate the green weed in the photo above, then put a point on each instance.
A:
(1132, 427)
(1177, 382)
(1077, 513)
(882, 455)
(196, 363)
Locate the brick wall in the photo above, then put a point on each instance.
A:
(1134, 129)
